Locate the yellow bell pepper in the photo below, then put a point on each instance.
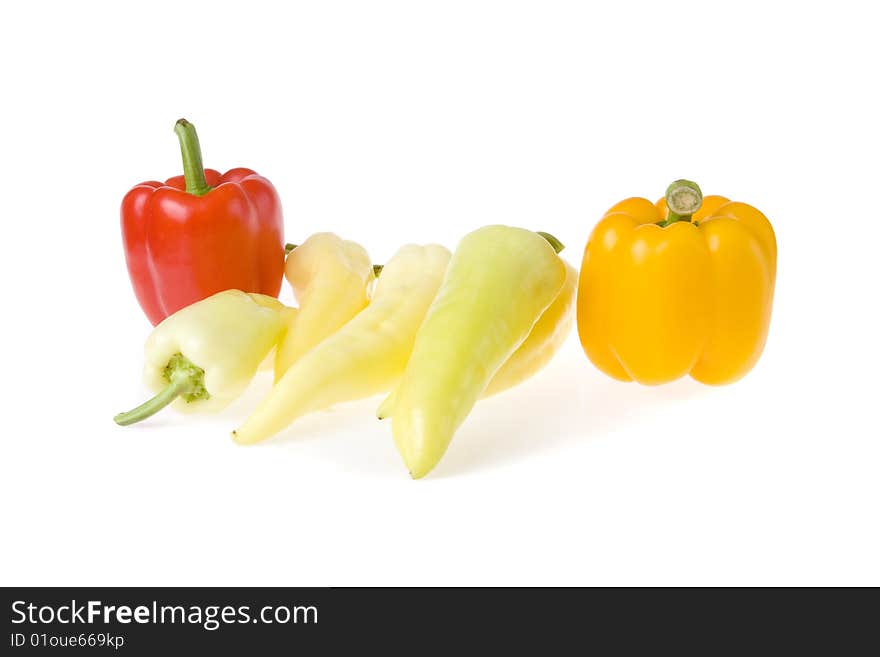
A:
(363, 358)
(545, 339)
(204, 355)
(499, 282)
(331, 279)
(681, 286)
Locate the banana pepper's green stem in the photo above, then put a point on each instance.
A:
(191, 152)
(184, 380)
(555, 243)
(683, 198)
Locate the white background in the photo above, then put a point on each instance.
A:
(415, 122)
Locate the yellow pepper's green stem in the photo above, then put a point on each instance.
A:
(191, 152)
(184, 380)
(683, 198)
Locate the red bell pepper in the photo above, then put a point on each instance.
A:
(201, 233)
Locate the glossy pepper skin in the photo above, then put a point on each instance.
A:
(203, 356)
(331, 280)
(681, 286)
(198, 234)
(546, 337)
(366, 356)
(498, 284)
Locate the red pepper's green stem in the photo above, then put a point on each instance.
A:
(683, 198)
(191, 152)
(555, 243)
(184, 380)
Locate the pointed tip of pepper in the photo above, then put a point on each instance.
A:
(419, 473)
(245, 438)
(418, 464)
(386, 408)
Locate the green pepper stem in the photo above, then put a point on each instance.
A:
(555, 243)
(683, 198)
(178, 386)
(191, 152)
(184, 380)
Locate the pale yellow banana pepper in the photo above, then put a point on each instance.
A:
(499, 282)
(331, 279)
(547, 336)
(366, 356)
(203, 356)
